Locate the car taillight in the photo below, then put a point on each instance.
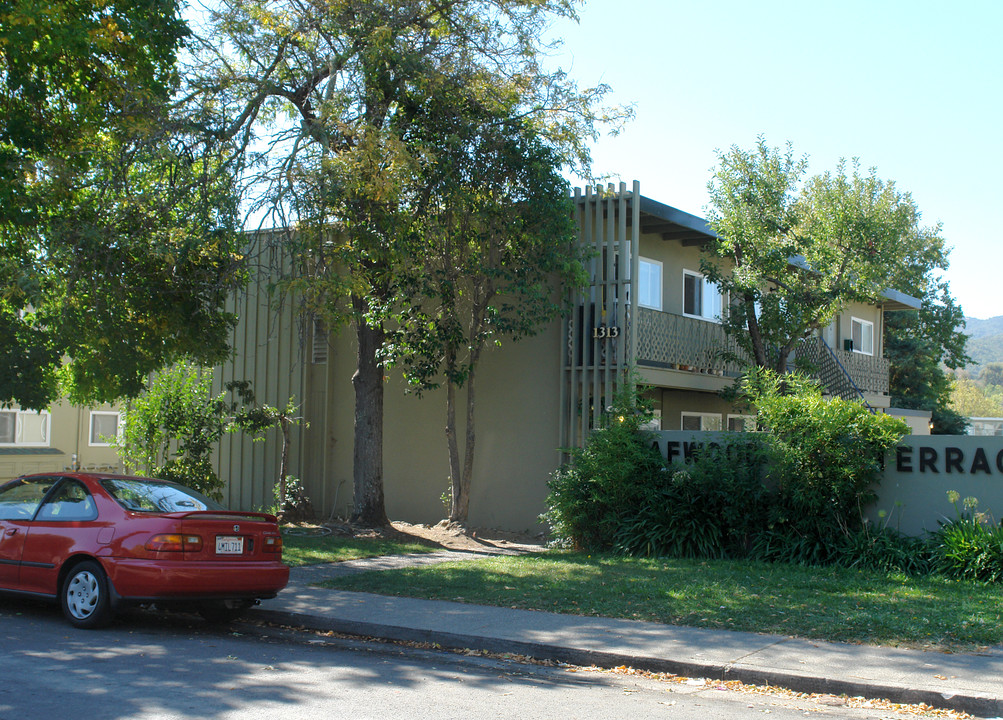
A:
(273, 543)
(172, 542)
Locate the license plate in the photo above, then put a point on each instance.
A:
(229, 545)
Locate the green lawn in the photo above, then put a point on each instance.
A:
(819, 603)
(311, 550)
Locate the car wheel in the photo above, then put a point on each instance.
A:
(224, 611)
(85, 598)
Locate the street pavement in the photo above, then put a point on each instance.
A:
(968, 682)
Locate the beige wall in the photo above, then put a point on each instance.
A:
(674, 258)
(675, 402)
(69, 436)
(870, 313)
(517, 435)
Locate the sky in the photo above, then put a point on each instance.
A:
(913, 89)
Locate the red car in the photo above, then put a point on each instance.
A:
(98, 542)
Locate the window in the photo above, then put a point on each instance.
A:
(742, 423)
(700, 421)
(104, 428)
(71, 502)
(154, 496)
(701, 297)
(319, 342)
(24, 427)
(649, 284)
(8, 427)
(862, 333)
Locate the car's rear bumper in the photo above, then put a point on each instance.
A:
(150, 580)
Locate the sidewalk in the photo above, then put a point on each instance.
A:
(969, 682)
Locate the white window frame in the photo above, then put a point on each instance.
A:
(90, 427)
(862, 323)
(19, 428)
(704, 416)
(747, 419)
(705, 285)
(656, 267)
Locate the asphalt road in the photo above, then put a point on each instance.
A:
(173, 666)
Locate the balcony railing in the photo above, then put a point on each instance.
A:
(867, 373)
(673, 341)
(678, 342)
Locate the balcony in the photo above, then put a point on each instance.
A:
(666, 340)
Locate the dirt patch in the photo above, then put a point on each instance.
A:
(450, 536)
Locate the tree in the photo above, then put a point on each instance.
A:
(970, 399)
(992, 374)
(117, 214)
(792, 252)
(919, 346)
(337, 93)
(172, 429)
(498, 240)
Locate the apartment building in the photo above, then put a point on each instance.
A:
(62, 437)
(536, 396)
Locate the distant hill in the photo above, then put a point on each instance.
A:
(976, 328)
(985, 343)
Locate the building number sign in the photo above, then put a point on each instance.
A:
(605, 332)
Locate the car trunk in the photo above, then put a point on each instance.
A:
(232, 536)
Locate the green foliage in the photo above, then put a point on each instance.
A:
(118, 222)
(197, 473)
(794, 493)
(971, 398)
(171, 429)
(498, 256)
(970, 545)
(826, 457)
(381, 93)
(884, 549)
(792, 251)
(607, 481)
(292, 504)
(709, 508)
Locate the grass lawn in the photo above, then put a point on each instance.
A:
(311, 549)
(819, 603)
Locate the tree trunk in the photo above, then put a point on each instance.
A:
(369, 508)
(460, 476)
(455, 472)
(468, 452)
(284, 424)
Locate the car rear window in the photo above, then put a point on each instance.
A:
(139, 495)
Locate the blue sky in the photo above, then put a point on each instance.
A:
(910, 88)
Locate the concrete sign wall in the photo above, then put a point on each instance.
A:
(923, 469)
(918, 475)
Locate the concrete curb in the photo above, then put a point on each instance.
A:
(978, 704)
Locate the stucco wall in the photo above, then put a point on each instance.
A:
(517, 432)
(69, 436)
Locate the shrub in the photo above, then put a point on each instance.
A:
(607, 481)
(826, 456)
(709, 508)
(197, 473)
(969, 546)
(885, 549)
